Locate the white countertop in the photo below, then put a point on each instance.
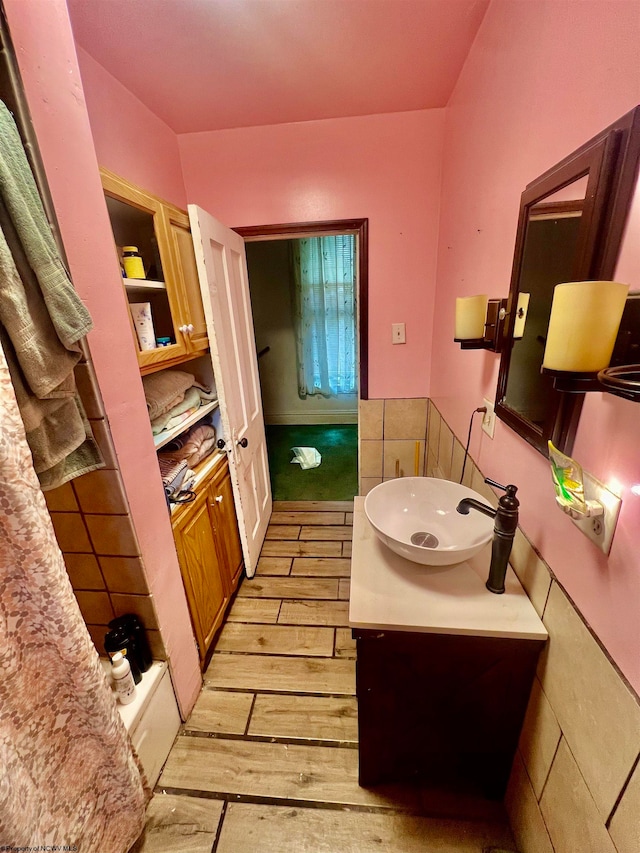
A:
(394, 594)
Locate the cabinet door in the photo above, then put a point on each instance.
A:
(186, 273)
(226, 524)
(138, 219)
(205, 585)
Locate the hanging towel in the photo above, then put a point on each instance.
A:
(42, 320)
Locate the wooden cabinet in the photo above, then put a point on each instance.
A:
(209, 551)
(441, 710)
(171, 287)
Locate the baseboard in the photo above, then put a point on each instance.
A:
(312, 418)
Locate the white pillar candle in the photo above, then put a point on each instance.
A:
(471, 315)
(584, 322)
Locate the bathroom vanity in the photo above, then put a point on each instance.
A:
(444, 667)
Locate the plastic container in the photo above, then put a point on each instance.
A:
(122, 679)
(132, 261)
(139, 650)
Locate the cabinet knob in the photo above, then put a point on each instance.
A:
(243, 442)
(219, 499)
(220, 443)
(190, 328)
(186, 329)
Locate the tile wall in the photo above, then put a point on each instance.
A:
(575, 783)
(95, 533)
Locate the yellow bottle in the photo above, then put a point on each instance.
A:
(133, 266)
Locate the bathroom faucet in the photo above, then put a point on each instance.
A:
(504, 529)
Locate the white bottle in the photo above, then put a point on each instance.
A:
(122, 678)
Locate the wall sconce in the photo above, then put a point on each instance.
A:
(480, 321)
(594, 334)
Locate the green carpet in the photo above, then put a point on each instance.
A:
(335, 479)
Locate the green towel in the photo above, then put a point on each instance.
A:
(42, 320)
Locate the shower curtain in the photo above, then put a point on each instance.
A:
(68, 775)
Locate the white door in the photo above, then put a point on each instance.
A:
(222, 268)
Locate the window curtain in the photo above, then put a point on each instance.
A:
(325, 314)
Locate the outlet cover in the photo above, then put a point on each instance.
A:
(489, 418)
(601, 528)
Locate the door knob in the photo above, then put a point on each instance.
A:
(243, 442)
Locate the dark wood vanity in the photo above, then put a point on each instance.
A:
(444, 669)
(440, 709)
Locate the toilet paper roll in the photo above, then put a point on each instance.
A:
(143, 322)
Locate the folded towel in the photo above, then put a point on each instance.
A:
(173, 474)
(199, 443)
(165, 389)
(194, 397)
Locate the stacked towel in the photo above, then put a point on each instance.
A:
(192, 447)
(172, 396)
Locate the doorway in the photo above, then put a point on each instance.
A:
(310, 388)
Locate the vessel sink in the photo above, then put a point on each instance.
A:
(416, 517)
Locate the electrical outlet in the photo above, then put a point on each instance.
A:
(398, 333)
(601, 528)
(489, 418)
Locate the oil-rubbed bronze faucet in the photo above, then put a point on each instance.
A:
(504, 529)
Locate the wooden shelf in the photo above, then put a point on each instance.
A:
(143, 284)
(166, 436)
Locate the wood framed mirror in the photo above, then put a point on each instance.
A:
(571, 223)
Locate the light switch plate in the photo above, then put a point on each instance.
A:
(601, 528)
(398, 335)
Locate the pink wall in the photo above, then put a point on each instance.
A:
(44, 45)
(129, 139)
(540, 80)
(384, 167)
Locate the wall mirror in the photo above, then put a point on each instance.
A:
(571, 223)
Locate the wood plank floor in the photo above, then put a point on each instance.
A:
(268, 761)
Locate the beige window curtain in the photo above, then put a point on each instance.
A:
(68, 775)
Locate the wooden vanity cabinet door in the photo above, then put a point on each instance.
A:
(226, 525)
(176, 223)
(202, 572)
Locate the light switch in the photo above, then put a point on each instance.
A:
(398, 333)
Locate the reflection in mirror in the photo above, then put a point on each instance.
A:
(571, 223)
(548, 258)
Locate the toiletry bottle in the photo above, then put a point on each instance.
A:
(132, 262)
(119, 640)
(122, 679)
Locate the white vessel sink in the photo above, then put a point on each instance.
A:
(416, 517)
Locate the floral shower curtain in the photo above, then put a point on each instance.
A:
(325, 314)
(68, 775)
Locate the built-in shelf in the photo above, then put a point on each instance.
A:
(168, 435)
(143, 284)
(132, 712)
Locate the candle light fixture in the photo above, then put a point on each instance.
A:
(480, 322)
(586, 328)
